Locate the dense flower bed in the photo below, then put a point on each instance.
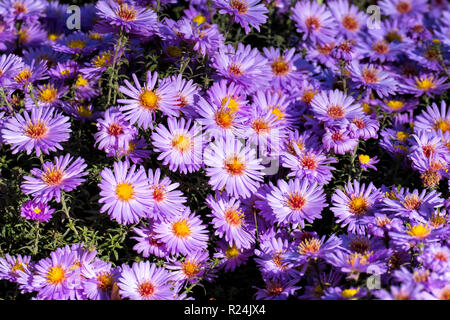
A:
(223, 149)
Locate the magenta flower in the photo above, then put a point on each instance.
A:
(248, 13)
(35, 210)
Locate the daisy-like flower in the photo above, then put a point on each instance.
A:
(116, 16)
(167, 200)
(310, 165)
(354, 205)
(124, 193)
(314, 21)
(233, 166)
(145, 281)
(376, 48)
(277, 289)
(75, 43)
(147, 243)
(403, 8)
(63, 70)
(183, 233)
(409, 291)
(36, 71)
(229, 221)
(192, 269)
(245, 67)
(337, 293)
(145, 101)
(10, 66)
(296, 201)
(436, 257)
(35, 210)
(61, 175)
(54, 278)
(312, 247)
(42, 131)
(334, 107)
(248, 13)
(350, 19)
(397, 104)
(114, 132)
(428, 84)
(415, 234)
(99, 277)
(180, 145)
(47, 95)
(283, 65)
(366, 162)
(136, 152)
(364, 127)
(338, 139)
(187, 92)
(231, 257)
(12, 266)
(434, 118)
(371, 77)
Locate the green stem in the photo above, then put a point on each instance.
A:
(343, 76)
(3, 95)
(230, 23)
(121, 41)
(184, 64)
(33, 97)
(66, 211)
(36, 239)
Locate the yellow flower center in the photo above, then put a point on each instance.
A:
(182, 143)
(81, 81)
(37, 210)
(149, 100)
(278, 113)
(77, 44)
(199, 19)
(53, 37)
(49, 94)
(358, 205)
(190, 268)
(181, 228)
(173, 51)
(126, 13)
(363, 158)
(24, 75)
(308, 96)
(56, 275)
(235, 166)
(280, 67)
(366, 108)
(443, 125)
(124, 191)
(105, 281)
(395, 104)
(309, 246)
(102, 60)
(402, 136)
(232, 106)
(232, 252)
(36, 130)
(419, 231)
(85, 112)
(425, 83)
(348, 293)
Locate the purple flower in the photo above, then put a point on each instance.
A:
(367, 162)
(355, 205)
(61, 175)
(187, 93)
(233, 166)
(229, 221)
(296, 201)
(277, 289)
(42, 131)
(180, 145)
(372, 77)
(283, 64)
(145, 281)
(231, 257)
(338, 139)
(434, 118)
(125, 193)
(147, 243)
(145, 101)
(183, 233)
(192, 269)
(99, 277)
(248, 13)
(436, 257)
(351, 21)
(10, 66)
(12, 267)
(35, 210)
(314, 21)
(428, 84)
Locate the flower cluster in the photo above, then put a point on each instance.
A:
(323, 157)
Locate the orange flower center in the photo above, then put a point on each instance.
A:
(336, 112)
(126, 13)
(235, 166)
(312, 23)
(181, 228)
(358, 205)
(280, 67)
(296, 201)
(36, 130)
(370, 75)
(240, 6)
(146, 289)
(309, 246)
(350, 23)
(115, 129)
(381, 47)
(404, 7)
(52, 176)
(235, 70)
(234, 217)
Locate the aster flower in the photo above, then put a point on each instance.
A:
(296, 201)
(245, 67)
(366, 162)
(145, 281)
(397, 104)
(434, 118)
(136, 152)
(61, 175)
(403, 8)
(354, 205)
(382, 224)
(32, 73)
(47, 95)
(337, 293)
(335, 107)
(99, 279)
(54, 279)
(233, 166)
(338, 139)
(231, 257)
(277, 289)
(408, 291)
(312, 247)
(371, 77)
(10, 66)
(229, 221)
(63, 70)
(428, 84)
(126, 17)
(417, 233)
(167, 200)
(284, 68)
(147, 243)
(145, 101)
(12, 266)
(183, 233)
(351, 21)
(42, 131)
(248, 13)
(124, 193)
(114, 132)
(356, 262)
(180, 145)
(311, 165)
(75, 43)
(314, 21)
(192, 269)
(35, 210)
(364, 127)
(436, 257)
(187, 92)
